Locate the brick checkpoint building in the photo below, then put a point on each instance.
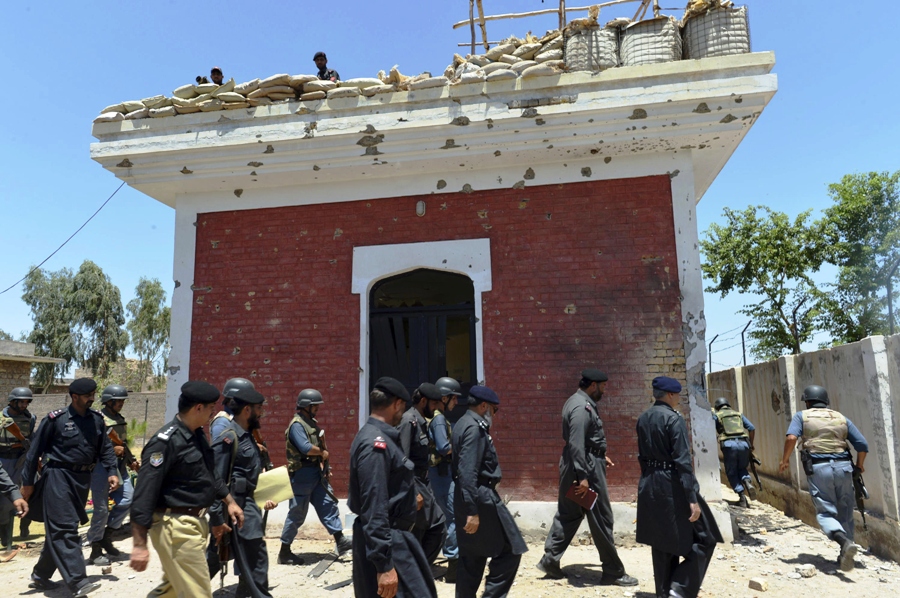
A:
(510, 232)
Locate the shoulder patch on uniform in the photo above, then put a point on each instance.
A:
(587, 407)
(55, 414)
(226, 439)
(165, 434)
(380, 443)
(156, 459)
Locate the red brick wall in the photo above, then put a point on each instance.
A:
(583, 275)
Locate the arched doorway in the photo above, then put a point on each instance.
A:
(422, 327)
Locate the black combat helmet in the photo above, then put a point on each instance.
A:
(307, 397)
(113, 392)
(20, 394)
(234, 385)
(815, 394)
(721, 402)
(448, 387)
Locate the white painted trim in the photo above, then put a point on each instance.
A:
(471, 257)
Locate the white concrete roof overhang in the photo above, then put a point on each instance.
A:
(704, 107)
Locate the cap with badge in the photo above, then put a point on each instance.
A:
(248, 396)
(82, 386)
(594, 375)
(392, 387)
(198, 391)
(666, 384)
(483, 394)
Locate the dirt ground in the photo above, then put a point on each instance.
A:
(771, 547)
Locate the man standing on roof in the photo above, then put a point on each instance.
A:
(325, 73)
(215, 74)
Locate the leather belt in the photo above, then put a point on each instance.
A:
(663, 465)
(14, 453)
(597, 453)
(402, 525)
(71, 467)
(192, 511)
(817, 460)
(489, 482)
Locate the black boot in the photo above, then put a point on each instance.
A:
(286, 557)
(6, 534)
(550, 568)
(97, 557)
(450, 575)
(24, 524)
(848, 551)
(744, 502)
(106, 543)
(342, 545)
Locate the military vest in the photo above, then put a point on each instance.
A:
(731, 424)
(25, 421)
(295, 458)
(824, 431)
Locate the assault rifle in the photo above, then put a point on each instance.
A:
(754, 461)
(130, 459)
(862, 494)
(267, 465)
(326, 467)
(13, 428)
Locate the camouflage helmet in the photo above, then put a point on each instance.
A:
(113, 392)
(20, 394)
(234, 385)
(307, 397)
(721, 402)
(448, 386)
(815, 394)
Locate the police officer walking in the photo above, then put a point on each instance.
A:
(430, 521)
(439, 432)
(17, 426)
(489, 530)
(388, 560)
(310, 472)
(222, 418)
(104, 521)
(824, 436)
(177, 488)
(583, 463)
(672, 517)
(736, 440)
(72, 440)
(238, 461)
(9, 490)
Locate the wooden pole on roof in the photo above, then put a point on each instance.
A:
(484, 37)
(562, 14)
(472, 23)
(546, 11)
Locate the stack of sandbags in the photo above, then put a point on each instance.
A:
(511, 58)
(592, 48)
(649, 42)
(714, 28)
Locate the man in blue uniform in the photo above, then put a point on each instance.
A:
(388, 560)
(238, 462)
(672, 517)
(17, 425)
(488, 528)
(72, 440)
(825, 435)
(439, 474)
(584, 462)
(735, 433)
(221, 419)
(308, 465)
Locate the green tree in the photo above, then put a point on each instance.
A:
(762, 252)
(48, 296)
(148, 325)
(862, 238)
(5, 336)
(96, 303)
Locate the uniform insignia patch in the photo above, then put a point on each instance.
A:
(226, 439)
(156, 459)
(380, 443)
(587, 407)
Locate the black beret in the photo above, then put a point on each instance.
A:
(666, 384)
(484, 394)
(82, 386)
(198, 391)
(249, 396)
(430, 391)
(594, 375)
(392, 387)
(320, 55)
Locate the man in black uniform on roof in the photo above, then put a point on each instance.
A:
(325, 73)
(388, 561)
(72, 440)
(430, 521)
(176, 489)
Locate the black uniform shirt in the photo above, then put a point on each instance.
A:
(662, 437)
(382, 489)
(414, 440)
(177, 472)
(7, 487)
(583, 432)
(328, 74)
(69, 439)
(475, 460)
(244, 476)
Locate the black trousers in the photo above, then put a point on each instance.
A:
(64, 496)
(684, 574)
(569, 516)
(500, 577)
(257, 561)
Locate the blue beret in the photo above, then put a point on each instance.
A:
(198, 391)
(430, 391)
(82, 386)
(666, 384)
(249, 396)
(392, 387)
(594, 375)
(483, 394)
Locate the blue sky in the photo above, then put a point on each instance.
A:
(64, 61)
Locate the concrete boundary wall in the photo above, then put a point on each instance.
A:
(863, 382)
